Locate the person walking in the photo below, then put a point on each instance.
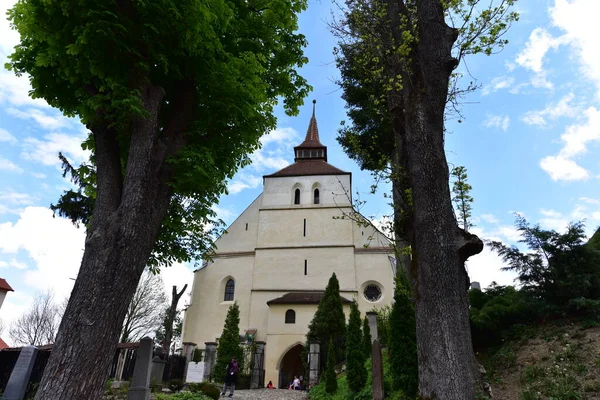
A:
(231, 375)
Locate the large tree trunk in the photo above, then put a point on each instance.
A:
(126, 221)
(447, 366)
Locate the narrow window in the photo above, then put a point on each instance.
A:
(246, 226)
(229, 290)
(304, 226)
(290, 317)
(297, 196)
(305, 267)
(316, 196)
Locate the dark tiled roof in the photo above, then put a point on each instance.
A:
(309, 167)
(302, 298)
(5, 286)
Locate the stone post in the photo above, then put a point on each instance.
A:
(188, 352)
(140, 383)
(19, 377)
(210, 357)
(258, 369)
(372, 318)
(314, 363)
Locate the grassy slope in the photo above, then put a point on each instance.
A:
(557, 362)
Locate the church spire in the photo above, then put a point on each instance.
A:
(311, 148)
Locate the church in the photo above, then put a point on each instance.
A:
(278, 255)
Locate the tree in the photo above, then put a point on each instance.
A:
(229, 343)
(145, 311)
(170, 315)
(367, 340)
(329, 321)
(329, 374)
(402, 339)
(462, 198)
(355, 357)
(159, 337)
(402, 55)
(175, 96)
(559, 268)
(38, 325)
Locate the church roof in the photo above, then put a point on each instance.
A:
(310, 156)
(5, 286)
(309, 167)
(303, 298)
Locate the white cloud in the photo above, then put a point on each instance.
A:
(578, 19)
(46, 151)
(486, 267)
(244, 181)
(563, 108)
(497, 121)
(563, 169)
(17, 198)
(500, 82)
(280, 135)
(7, 165)
(532, 57)
(490, 218)
(576, 139)
(39, 175)
(178, 275)
(49, 122)
(590, 201)
(5, 136)
(54, 245)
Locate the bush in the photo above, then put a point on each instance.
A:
(176, 385)
(197, 357)
(206, 388)
(329, 375)
(355, 358)
(183, 396)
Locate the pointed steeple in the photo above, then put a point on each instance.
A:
(311, 148)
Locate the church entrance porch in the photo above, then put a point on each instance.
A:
(290, 366)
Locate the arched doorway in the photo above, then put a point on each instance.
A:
(290, 366)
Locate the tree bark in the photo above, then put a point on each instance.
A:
(124, 227)
(170, 318)
(447, 366)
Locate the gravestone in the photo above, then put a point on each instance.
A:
(158, 369)
(140, 384)
(372, 318)
(210, 355)
(314, 363)
(377, 371)
(19, 377)
(195, 372)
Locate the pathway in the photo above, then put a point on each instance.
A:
(268, 394)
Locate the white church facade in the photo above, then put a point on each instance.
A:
(278, 255)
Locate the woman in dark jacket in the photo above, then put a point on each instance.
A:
(231, 375)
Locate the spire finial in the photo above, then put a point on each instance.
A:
(314, 105)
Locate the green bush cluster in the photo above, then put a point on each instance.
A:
(205, 388)
(183, 396)
(355, 354)
(176, 384)
(229, 344)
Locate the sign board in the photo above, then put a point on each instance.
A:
(195, 372)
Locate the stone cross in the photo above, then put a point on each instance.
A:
(372, 318)
(140, 384)
(19, 377)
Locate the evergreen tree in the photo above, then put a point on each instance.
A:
(229, 343)
(329, 322)
(366, 339)
(329, 375)
(402, 339)
(461, 196)
(355, 357)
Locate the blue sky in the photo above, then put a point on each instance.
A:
(530, 141)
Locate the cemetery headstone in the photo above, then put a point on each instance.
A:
(140, 384)
(19, 377)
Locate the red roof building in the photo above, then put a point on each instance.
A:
(5, 286)
(3, 345)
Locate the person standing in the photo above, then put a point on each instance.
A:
(231, 375)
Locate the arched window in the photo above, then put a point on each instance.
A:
(229, 290)
(290, 317)
(316, 196)
(297, 196)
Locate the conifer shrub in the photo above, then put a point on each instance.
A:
(329, 321)
(229, 344)
(366, 339)
(402, 340)
(355, 357)
(329, 375)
